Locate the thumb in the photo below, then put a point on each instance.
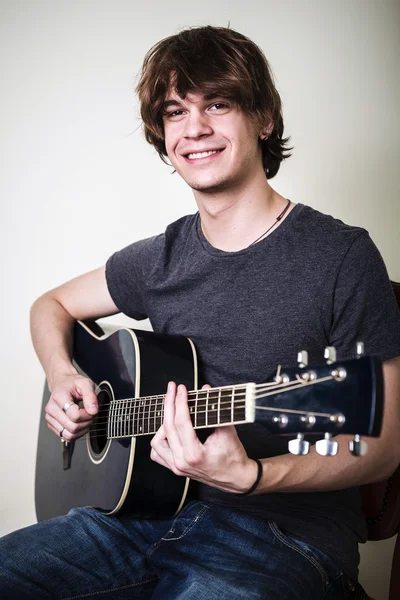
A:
(89, 397)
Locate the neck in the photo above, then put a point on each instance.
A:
(231, 220)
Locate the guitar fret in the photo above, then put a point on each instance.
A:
(128, 412)
(113, 420)
(140, 417)
(130, 417)
(118, 421)
(191, 409)
(125, 424)
(124, 411)
(240, 410)
(147, 404)
(134, 407)
(156, 414)
(219, 408)
(227, 401)
(149, 414)
(144, 407)
(143, 416)
(137, 416)
(202, 409)
(109, 421)
(212, 408)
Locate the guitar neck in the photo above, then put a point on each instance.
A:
(295, 401)
(230, 405)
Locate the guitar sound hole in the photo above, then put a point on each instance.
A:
(98, 431)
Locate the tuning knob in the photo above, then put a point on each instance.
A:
(330, 354)
(299, 446)
(327, 446)
(302, 358)
(357, 446)
(360, 349)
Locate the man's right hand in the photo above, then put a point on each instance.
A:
(71, 422)
(52, 320)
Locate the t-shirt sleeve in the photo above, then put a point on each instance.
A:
(364, 306)
(126, 276)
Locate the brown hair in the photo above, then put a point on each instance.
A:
(212, 60)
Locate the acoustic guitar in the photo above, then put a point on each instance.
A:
(110, 467)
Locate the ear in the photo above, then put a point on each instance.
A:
(266, 131)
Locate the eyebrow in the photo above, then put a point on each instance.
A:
(207, 98)
(168, 103)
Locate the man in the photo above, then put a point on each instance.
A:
(251, 279)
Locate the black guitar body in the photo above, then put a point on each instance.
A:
(103, 473)
(110, 467)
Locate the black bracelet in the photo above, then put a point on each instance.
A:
(257, 481)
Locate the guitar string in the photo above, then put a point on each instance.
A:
(144, 418)
(195, 395)
(202, 426)
(222, 389)
(142, 412)
(147, 412)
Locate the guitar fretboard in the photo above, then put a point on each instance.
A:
(207, 408)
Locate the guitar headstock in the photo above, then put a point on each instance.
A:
(331, 398)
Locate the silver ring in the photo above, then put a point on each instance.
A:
(66, 406)
(61, 432)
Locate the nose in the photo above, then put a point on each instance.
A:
(197, 124)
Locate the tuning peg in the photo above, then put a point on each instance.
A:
(330, 354)
(302, 358)
(327, 446)
(299, 446)
(360, 349)
(357, 446)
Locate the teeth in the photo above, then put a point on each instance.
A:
(202, 154)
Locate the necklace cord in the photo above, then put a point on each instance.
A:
(278, 218)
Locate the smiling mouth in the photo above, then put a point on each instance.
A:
(196, 155)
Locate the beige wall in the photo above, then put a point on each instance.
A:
(78, 181)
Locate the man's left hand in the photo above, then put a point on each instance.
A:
(220, 462)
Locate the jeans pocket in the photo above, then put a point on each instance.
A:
(326, 567)
(184, 523)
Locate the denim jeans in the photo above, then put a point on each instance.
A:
(207, 552)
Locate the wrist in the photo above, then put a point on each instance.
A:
(256, 477)
(58, 373)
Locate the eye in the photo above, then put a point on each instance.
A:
(220, 107)
(173, 113)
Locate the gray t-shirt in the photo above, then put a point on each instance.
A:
(312, 282)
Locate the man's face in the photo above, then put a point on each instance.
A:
(210, 142)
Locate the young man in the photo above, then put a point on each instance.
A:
(251, 279)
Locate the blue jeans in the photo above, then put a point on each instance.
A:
(207, 552)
